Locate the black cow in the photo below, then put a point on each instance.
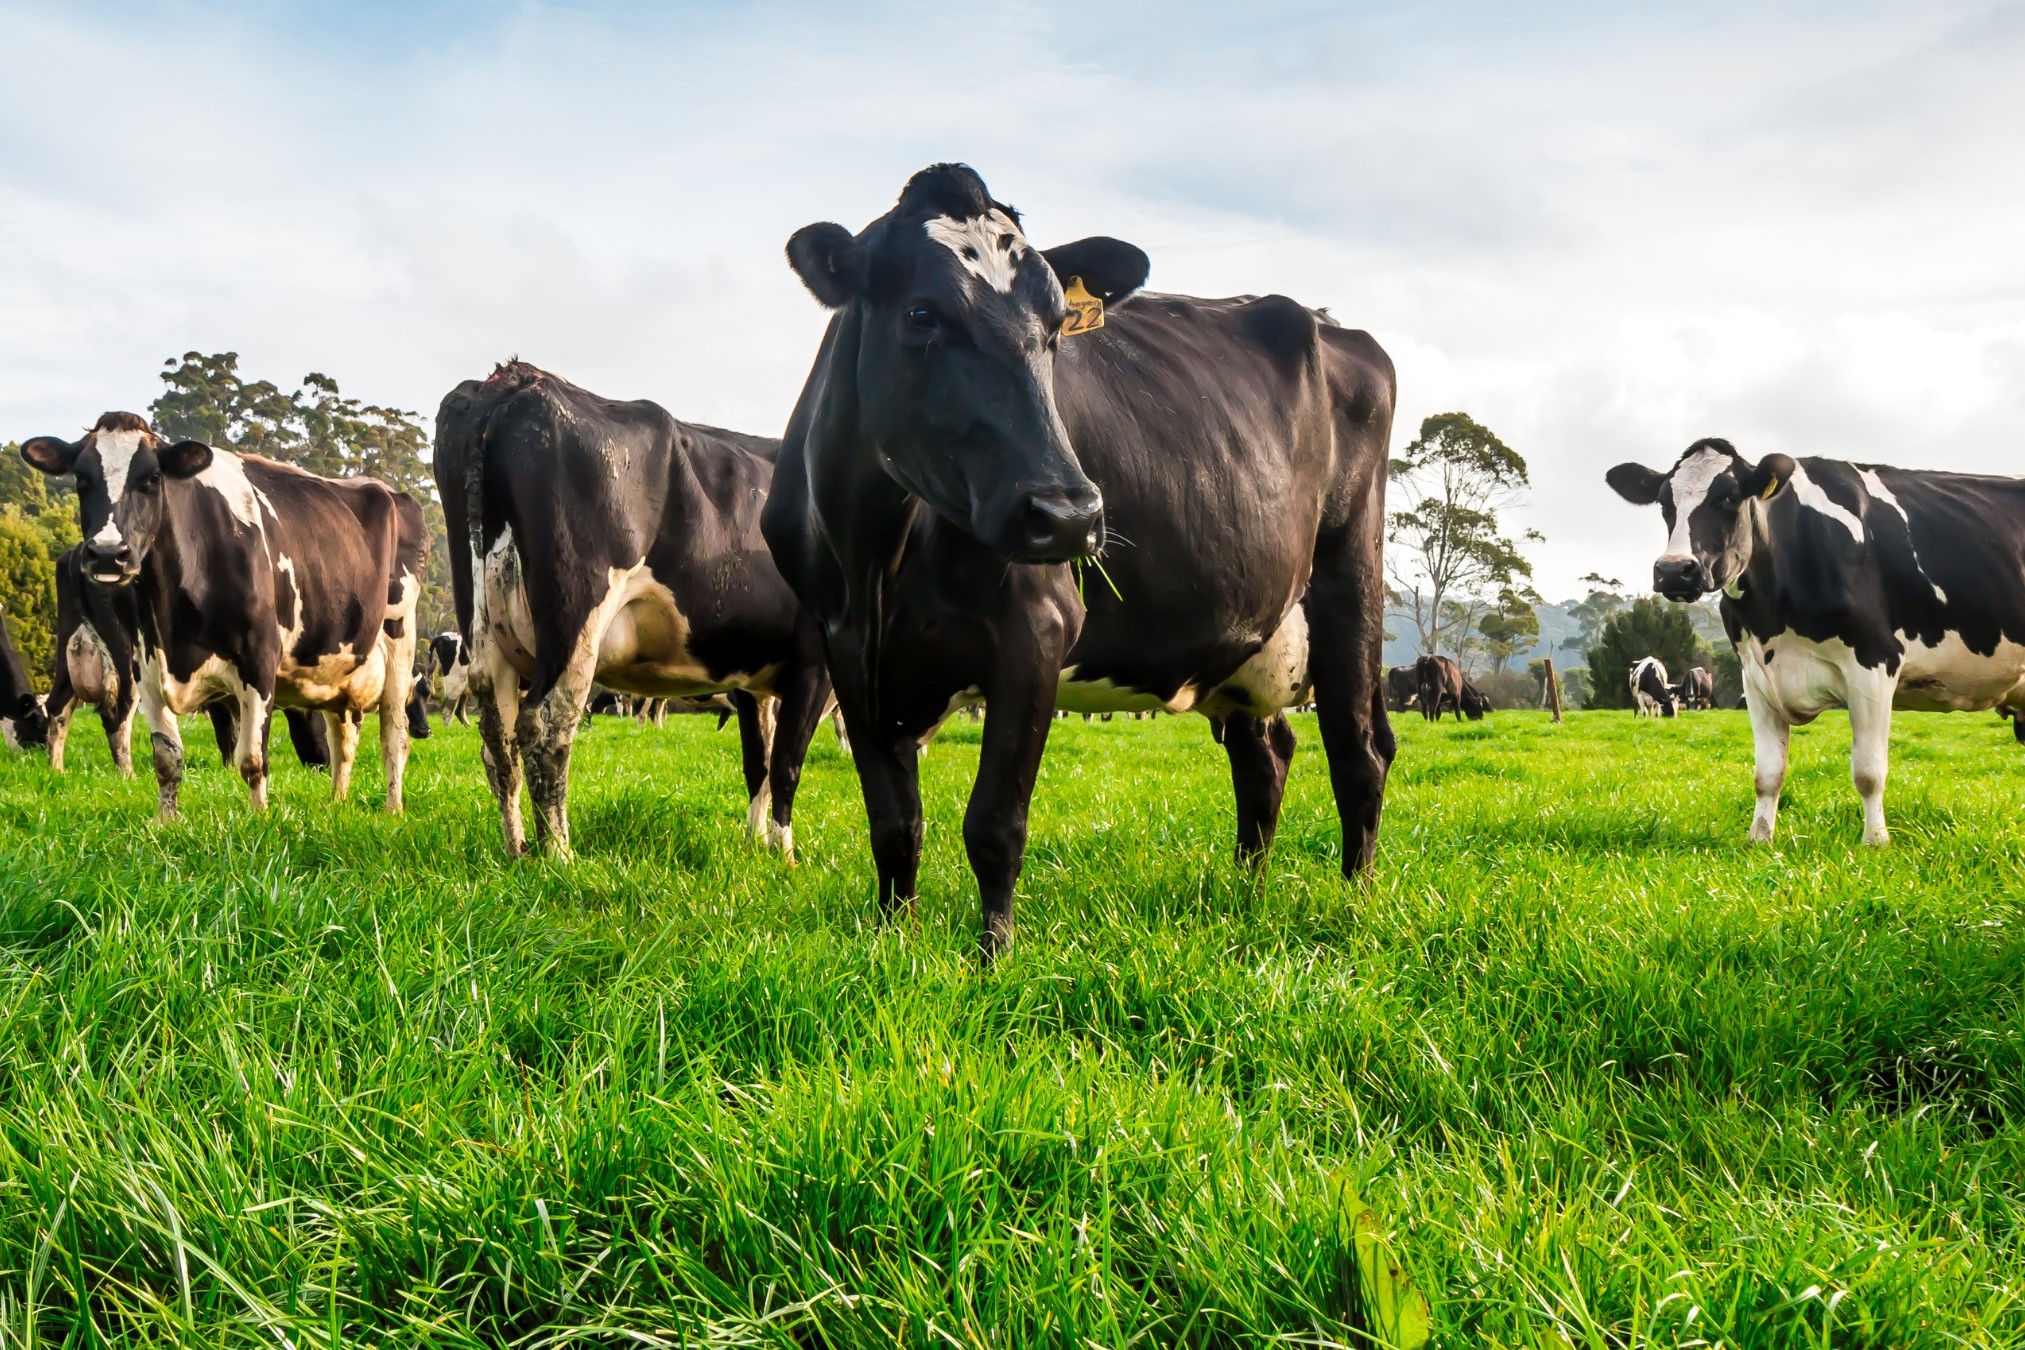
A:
(21, 712)
(1439, 684)
(1476, 704)
(2017, 718)
(1402, 688)
(1651, 695)
(253, 581)
(1696, 690)
(963, 435)
(606, 541)
(453, 667)
(1846, 585)
(306, 734)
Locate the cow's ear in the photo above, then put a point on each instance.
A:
(1636, 484)
(830, 262)
(1772, 474)
(184, 459)
(50, 455)
(1111, 269)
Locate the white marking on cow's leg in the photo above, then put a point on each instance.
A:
(400, 657)
(251, 752)
(495, 686)
(1870, 695)
(344, 748)
(59, 732)
(837, 725)
(759, 816)
(1770, 733)
(166, 739)
(123, 744)
(548, 728)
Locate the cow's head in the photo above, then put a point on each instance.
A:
(1709, 500)
(958, 321)
(30, 721)
(120, 464)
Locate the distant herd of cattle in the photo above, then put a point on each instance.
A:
(982, 420)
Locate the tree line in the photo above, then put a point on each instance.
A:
(315, 427)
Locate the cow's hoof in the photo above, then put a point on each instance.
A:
(1877, 838)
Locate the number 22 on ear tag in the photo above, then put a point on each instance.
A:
(1086, 311)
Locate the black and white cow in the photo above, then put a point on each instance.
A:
(22, 719)
(1651, 695)
(1402, 688)
(1476, 704)
(601, 541)
(453, 669)
(1846, 585)
(954, 448)
(254, 581)
(1696, 690)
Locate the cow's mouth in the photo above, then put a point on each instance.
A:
(113, 575)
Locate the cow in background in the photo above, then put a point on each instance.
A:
(1402, 688)
(21, 713)
(253, 581)
(1651, 695)
(1475, 702)
(1439, 686)
(1846, 585)
(452, 660)
(1696, 690)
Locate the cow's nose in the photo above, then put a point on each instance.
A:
(1060, 524)
(1679, 576)
(103, 556)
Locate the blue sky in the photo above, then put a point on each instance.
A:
(1605, 230)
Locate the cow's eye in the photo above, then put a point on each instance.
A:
(921, 319)
(149, 482)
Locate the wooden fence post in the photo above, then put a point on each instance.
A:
(1550, 689)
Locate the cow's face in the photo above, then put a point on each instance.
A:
(120, 464)
(958, 320)
(1710, 501)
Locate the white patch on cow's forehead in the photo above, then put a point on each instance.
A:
(116, 451)
(989, 246)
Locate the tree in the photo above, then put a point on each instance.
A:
(1450, 557)
(1575, 687)
(1512, 626)
(1604, 599)
(315, 428)
(1650, 627)
(28, 593)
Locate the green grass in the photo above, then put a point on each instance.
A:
(1607, 1075)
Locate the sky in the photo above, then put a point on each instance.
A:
(1602, 230)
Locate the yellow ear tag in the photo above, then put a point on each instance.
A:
(1086, 311)
(1771, 489)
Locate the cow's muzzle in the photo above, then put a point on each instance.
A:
(1060, 525)
(110, 565)
(1680, 577)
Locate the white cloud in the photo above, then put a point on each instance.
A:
(1602, 231)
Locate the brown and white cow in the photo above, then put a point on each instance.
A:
(256, 582)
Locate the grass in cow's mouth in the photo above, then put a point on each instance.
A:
(1609, 1075)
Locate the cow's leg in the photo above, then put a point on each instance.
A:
(59, 730)
(548, 725)
(1260, 751)
(804, 693)
(755, 741)
(394, 695)
(1770, 733)
(255, 714)
(843, 732)
(1019, 703)
(118, 720)
(343, 726)
(165, 738)
(1870, 694)
(889, 773)
(495, 686)
(224, 718)
(1345, 632)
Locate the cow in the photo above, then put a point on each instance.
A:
(1696, 691)
(2017, 718)
(453, 667)
(1475, 702)
(306, 734)
(1848, 585)
(22, 718)
(1651, 695)
(604, 541)
(969, 433)
(253, 581)
(1438, 682)
(1402, 688)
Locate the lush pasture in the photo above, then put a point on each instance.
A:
(1606, 1075)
